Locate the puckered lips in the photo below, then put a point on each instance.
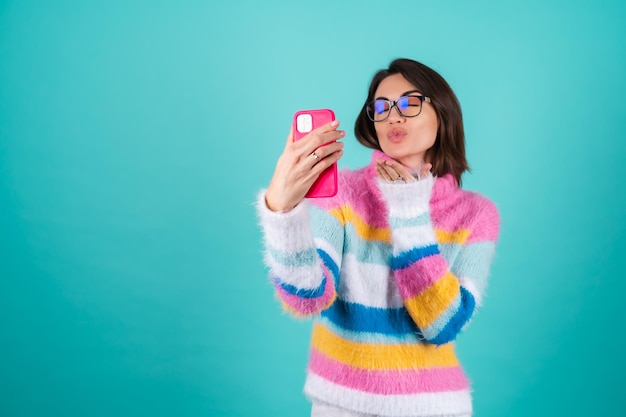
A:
(396, 135)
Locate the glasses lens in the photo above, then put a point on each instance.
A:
(378, 110)
(410, 105)
(381, 108)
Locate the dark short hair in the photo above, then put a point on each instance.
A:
(448, 153)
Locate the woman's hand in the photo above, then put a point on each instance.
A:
(391, 170)
(301, 163)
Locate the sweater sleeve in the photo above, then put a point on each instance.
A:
(434, 292)
(303, 268)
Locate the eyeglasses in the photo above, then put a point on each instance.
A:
(407, 106)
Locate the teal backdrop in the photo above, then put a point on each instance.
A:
(134, 137)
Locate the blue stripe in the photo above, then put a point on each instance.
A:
(359, 318)
(450, 251)
(312, 292)
(321, 222)
(399, 222)
(366, 251)
(304, 293)
(408, 258)
(454, 326)
(371, 338)
(330, 264)
(473, 262)
(303, 258)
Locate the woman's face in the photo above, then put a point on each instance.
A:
(405, 139)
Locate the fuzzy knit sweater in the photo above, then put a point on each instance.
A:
(391, 273)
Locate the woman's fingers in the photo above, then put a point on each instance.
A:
(301, 163)
(382, 173)
(323, 163)
(391, 170)
(401, 170)
(388, 172)
(324, 151)
(395, 171)
(325, 134)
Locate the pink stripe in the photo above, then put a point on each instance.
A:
(445, 218)
(488, 226)
(406, 381)
(471, 210)
(421, 275)
(306, 306)
(372, 211)
(373, 216)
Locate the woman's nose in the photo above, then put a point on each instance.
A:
(395, 116)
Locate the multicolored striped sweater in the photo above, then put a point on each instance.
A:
(391, 273)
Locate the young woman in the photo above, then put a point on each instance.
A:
(391, 268)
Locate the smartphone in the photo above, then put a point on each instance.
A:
(305, 121)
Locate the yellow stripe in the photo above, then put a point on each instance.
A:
(378, 356)
(459, 236)
(434, 300)
(345, 214)
(338, 213)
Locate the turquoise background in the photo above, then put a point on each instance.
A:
(134, 137)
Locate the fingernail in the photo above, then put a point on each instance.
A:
(335, 123)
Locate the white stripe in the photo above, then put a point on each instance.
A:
(304, 277)
(286, 232)
(407, 238)
(307, 277)
(329, 249)
(368, 284)
(407, 200)
(469, 285)
(428, 404)
(296, 238)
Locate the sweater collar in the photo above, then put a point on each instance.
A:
(443, 186)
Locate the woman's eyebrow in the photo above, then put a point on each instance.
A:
(401, 95)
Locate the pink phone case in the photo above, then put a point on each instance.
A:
(326, 183)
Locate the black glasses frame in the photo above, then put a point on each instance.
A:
(394, 103)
